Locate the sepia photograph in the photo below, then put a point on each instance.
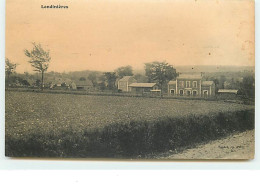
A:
(158, 80)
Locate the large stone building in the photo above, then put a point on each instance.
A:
(191, 85)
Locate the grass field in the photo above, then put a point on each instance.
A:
(64, 125)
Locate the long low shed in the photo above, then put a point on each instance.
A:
(142, 87)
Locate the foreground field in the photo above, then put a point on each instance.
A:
(41, 124)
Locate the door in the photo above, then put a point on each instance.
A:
(205, 94)
(181, 92)
(172, 91)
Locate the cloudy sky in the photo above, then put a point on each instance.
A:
(104, 35)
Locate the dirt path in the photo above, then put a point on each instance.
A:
(238, 146)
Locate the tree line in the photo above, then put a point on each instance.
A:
(39, 58)
(158, 72)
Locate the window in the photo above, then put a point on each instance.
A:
(188, 84)
(194, 93)
(188, 93)
(172, 91)
(194, 84)
(181, 84)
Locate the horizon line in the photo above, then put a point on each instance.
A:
(137, 69)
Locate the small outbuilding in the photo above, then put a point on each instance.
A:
(84, 85)
(140, 88)
(227, 93)
(123, 83)
(60, 84)
(207, 88)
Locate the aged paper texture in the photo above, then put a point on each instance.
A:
(121, 79)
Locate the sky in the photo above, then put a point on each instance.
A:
(106, 34)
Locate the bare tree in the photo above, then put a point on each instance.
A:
(39, 59)
(9, 69)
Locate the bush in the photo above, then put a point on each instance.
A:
(133, 139)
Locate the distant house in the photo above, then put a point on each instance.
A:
(84, 85)
(60, 84)
(123, 83)
(73, 86)
(191, 85)
(140, 88)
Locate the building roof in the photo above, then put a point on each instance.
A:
(60, 81)
(189, 76)
(232, 91)
(207, 83)
(172, 82)
(126, 78)
(142, 84)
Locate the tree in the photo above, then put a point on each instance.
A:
(140, 78)
(93, 78)
(160, 72)
(124, 71)
(222, 81)
(248, 86)
(39, 59)
(82, 79)
(110, 79)
(25, 83)
(38, 83)
(102, 82)
(9, 69)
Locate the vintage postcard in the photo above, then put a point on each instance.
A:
(123, 79)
